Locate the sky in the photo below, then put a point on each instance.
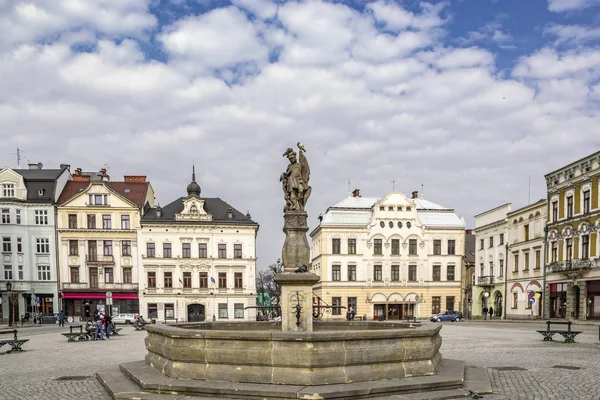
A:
(470, 102)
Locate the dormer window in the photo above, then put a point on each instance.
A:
(382, 208)
(41, 192)
(193, 209)
(98, 200)
(8, 190)
(408, 208)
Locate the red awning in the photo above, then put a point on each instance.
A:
(96, 295)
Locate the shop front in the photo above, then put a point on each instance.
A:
(593, 299)
(558, 300)
(81, 306)
(395, 307)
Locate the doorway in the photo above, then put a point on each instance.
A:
(195, 313)
(498, 304)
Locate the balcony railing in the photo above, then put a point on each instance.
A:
(99, 259)
(485, 280)
(100, 285)
(573, 265)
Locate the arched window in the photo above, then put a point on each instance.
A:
(193, 209)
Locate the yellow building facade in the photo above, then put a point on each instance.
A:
(390, 258)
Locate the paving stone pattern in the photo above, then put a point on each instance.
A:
(496, 345)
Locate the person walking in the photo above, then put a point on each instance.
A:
(491, 313)
(61, 318)
(485, 312)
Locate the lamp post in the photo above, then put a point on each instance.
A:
(12, 298)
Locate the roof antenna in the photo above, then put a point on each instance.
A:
(349, 190)
(393, 185)
(19, 155)
(422, 190)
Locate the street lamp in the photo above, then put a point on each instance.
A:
(10, 304)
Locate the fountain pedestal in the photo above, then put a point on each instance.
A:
(296, 300)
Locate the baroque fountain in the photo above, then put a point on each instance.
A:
(299, 357)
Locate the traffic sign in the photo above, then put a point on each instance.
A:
(531, 300)
(531, 294)
(108, 295)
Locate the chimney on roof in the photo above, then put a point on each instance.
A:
(67, 166)
(79, 177)
(356, 193)
(248, 215)
(158, 212)
(229, 213)
(36, 166)
(468, 231)
(134, 178)
(415, 194)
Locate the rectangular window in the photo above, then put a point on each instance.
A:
(223, 310)
(526, 232)
(125, 223)
(151, 279)
(395, 247)
(449, 303)
(412, 273)
(412, 247)
(437, 273)
(91, 221)
(150, 250)
(202, 250)
(72, 221)
(501, 272)
(515, 301)
(43, 246)
(109, 275)
(451, 247)
(152, 310)
(6, 215)
(92, 250)
(554, 255)
(526, 257)
(41, 217)
(169, 311)
(222, 280)
(351, 272)
(450, 272)
(6, 245)
(501, 239)
(127, 275)
(108, 248)
(167, 250)
(491, 268)
(20, 272)
(187, 280)
(395, 273)
(186, 250)
(491, 241)
(569, 206)
(18, 215)
(554, 211)
(480, 244)
(481, 270)
(336, 246)
(75, 274)
(8, 190)
(222, 250)
(19, 245)
(585, 246)
(93, 274)
(586, 202)
(437, 247)
(237, 250)
(336, 272)
(336, 303)
(569, 248)
(436, 304)
(516, 264)
(203, 280)
(73, 247)
(8, 275)
(377, 273)
(352, 303)
(238, 310)
(238, 280)
(106, 221)
(168, 275)
(537, 259)
(351, 246)
(377, 249)
(126, 247)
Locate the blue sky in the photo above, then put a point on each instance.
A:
(468, 97)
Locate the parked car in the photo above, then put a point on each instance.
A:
(51, 318)
(450, 315)
(124, 318)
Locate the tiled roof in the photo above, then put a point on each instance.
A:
(136, 190)
(357, 202)
(214, 206)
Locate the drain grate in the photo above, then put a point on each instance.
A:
(566, 367)
(511, 368)
(72, 378)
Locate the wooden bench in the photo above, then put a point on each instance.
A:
(15, 343)
(569, 335)
(80, 336)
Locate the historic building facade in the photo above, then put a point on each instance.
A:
(491, 245)
(524, 266)
(27, 229)
(573, 264)
(389, 258)
(97, 228)
(198, 261)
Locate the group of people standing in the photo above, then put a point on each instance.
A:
(486, 312)
(104, 324)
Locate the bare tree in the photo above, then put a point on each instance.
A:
(270, 292)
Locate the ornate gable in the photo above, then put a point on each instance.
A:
(193, 210)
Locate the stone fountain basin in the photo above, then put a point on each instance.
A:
(258, 352)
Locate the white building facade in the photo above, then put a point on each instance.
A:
(389, 258)
(27, 229)
(198, 261)
(491, 245)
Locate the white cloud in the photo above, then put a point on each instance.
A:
(492, 32)
(572, 34)
(570, 5)
(261, 8)
(549, 63)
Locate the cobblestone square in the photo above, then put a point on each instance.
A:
(520, 364)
